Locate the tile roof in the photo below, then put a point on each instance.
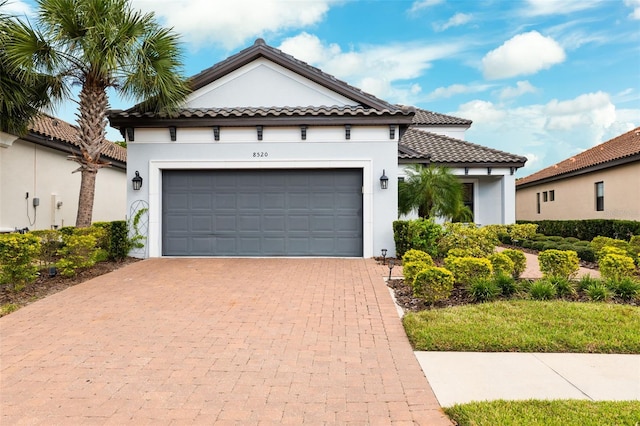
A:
(430, 118)
(418, 144)
(51, 127)
(348, 110)
(622, 147)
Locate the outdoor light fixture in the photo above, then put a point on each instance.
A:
(216, 133)
(172, 133)
(303, 133)
(384, 255)
(392, 131)
(130, 134)
(347, 131)
(384, 180)
(391, 265)
(259, 130)
(466, 170)
(137, 181)
(512, 170)
(488, 170)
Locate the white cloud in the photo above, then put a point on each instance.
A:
(523, 54)
(521, 88)
(423, 4)
(456, 89)
(635, 5)
(455, 21)
(558, 7)
(533, 162)
(232, 24)
(382, 70)
(590, 109)
(481, 112)
(16, 8)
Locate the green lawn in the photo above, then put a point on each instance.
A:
(527, 326)
(546, 413)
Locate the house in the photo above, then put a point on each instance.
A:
(38, 189)
(600, 183)
(270, 156)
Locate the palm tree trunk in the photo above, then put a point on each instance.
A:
(85, 199)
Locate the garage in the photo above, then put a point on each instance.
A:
(264, 212)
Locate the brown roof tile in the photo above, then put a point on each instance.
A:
(430, 118)
(418, 144)
(52, 127)
(618, 148)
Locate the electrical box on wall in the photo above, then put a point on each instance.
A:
(36, 202)
(56, 211)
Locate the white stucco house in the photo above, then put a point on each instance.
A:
(270, 156)
(38, 189)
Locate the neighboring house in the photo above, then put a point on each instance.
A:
(600, 183)
(270, 156)
(37, 187)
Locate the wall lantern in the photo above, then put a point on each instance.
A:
(466, 170)
(303, 133)
(384, 180)
(137, 181)
(488, 170)
(347, 131)
(384, 255)
(216, 133)
(130, 134)
(172, 133)
(392, 131)
(259, 130)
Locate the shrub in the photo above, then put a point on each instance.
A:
(598, 292)
(558, 263)
(564, 287)
(542, 290)
(625, 288)
(527, 244)
(554, 238)
(417, 256)
(460, 252)
(538, 245)
(519, 261)
(79, 251)
(588, 229)
(598, 244)
(433, 284)
(119, 244)
(616, 266)
(484, 290)
(585, 281)
(401, 236)
(550, 245)
(634, 246)
(423, 235)
(465, 269)
(566, 246)
(585, 253)
(479, 241)
(571, 240)
(18, 253)
(50, 243)
(501, 264)
(506, 283)
(411, 269)
(522, 231)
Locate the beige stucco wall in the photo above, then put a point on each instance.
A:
(575, 197)
(45, 173)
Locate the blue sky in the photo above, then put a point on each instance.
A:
(545, 79)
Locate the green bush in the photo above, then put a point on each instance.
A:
(585, 253)
(598, 292)
(480, 242)
(465, 269)
(634, 247)
(79, 251)
(538, 245)
(555, 238)
(433, 284)
(542, 290)
(417, 256)
(460, 252)
(501, 264)
(423, 234)
(571, 240)
(625, 288)
(18, 255)
(588, 229)
(50, 243)
(507, 284)
(527, 244)
(616, 266)
(558, 263)
(484, 290)
(566, 246)
(522, 231)
(564, 286)
(585, 281)
(605, 245)
(119, 243)
(411, 269)
(519, 261)
(550, 245)
(401, 236)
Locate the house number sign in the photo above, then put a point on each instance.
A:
(261, 154)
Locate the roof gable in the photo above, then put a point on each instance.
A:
(625, 147)
(261, 50)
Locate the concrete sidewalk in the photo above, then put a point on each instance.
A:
(461, 377)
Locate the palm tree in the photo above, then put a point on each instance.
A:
(433, 191)
(99, 44)
(22, 94)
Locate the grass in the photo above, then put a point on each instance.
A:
(546, 413)
(7, 308)
(527, 326)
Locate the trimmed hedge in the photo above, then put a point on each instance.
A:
(588, 229)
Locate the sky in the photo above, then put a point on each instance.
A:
(546, 79)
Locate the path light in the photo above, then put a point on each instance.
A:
(137, 181)
(391, 265)
(384, 255)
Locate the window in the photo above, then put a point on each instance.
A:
(600, 196)
(467, 196)
(545, 197)
(552, 195)
(538, 202)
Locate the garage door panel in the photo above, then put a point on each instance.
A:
(262, 212)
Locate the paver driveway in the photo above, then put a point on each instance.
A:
(237, 341)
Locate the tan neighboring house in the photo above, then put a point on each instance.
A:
(37, 187)
(600, 183)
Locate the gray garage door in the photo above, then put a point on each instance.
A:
(262, 212)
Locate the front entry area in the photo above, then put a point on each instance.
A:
(263, 212)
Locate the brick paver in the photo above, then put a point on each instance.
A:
(224, 341)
